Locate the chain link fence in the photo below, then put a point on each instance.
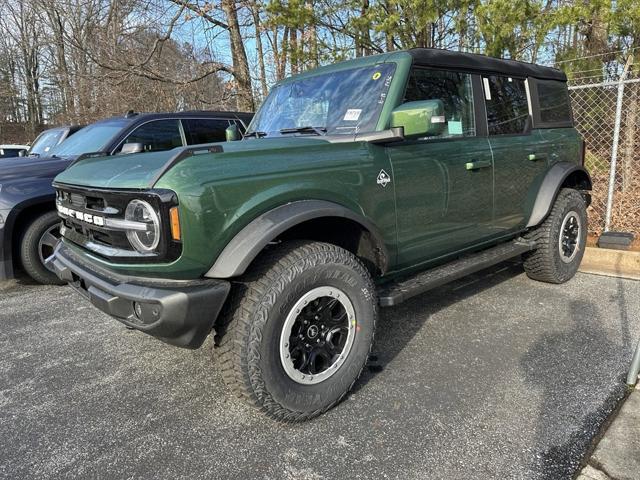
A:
(607, 114)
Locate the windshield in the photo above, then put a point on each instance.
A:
(45, 142)
(345, 101)
(93, 138)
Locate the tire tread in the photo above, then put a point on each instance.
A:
(243, 317)
(540, 264)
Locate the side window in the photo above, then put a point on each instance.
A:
(455, 91)
(553, 99)
(240, 125)
(206, 130)
(507, 106)
(156, 135)
(9, 152)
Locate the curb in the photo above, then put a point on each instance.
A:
(616, 455)
(611, 263)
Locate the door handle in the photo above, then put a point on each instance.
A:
(533, 157)
(476, 164)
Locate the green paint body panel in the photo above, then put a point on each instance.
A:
(131, 171)
(433, 209)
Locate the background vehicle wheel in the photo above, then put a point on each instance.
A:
(299, 330)
(38, 242)
(561, 240)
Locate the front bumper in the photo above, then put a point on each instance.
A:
(181, 313)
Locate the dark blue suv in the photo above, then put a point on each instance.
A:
(28, 219)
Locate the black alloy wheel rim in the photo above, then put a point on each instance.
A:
(568, 244)
(318, 335)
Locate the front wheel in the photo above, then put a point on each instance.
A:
(560, 240)
(38, 243)
(299, 329)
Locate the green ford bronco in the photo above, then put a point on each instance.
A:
(356, 186)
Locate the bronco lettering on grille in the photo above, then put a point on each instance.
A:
(83, 217)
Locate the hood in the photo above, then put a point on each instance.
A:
(23, 168)
(143, 170)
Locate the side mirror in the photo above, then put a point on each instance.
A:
(421, 118)
(22, 153)
(131, 148)
(232, 133)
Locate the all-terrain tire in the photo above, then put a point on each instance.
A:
(250, 331)
(31, 246)
(548, 263)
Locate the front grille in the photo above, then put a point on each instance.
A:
(93, 208)
(77, 200)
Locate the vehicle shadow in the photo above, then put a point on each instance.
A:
(575, 362)
(427, 304)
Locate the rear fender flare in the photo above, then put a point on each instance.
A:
(551, 184)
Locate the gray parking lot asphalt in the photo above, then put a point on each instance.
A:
(495, 376)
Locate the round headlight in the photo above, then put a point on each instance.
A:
(141, 212)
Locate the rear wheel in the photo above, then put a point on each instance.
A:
(299, 330)
(560, 239)
(38, 243)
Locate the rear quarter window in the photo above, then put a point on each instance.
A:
(553, 102)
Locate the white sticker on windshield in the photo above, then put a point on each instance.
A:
(352, 114)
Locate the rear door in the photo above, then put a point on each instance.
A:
(520, 156)
(444, 184)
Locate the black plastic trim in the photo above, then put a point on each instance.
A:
(440, 58)
(550, 187)
(479, 106)
(382, 137)
(179, 313)
(249, 242)
(397, 292)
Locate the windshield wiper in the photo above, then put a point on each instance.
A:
(306, 129)
(255, 133)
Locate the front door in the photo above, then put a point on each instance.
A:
(443, 184)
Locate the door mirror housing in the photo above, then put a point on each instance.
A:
(422, 118)
(131, 148)
(232, 133)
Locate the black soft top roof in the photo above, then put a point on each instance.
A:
(433, 57)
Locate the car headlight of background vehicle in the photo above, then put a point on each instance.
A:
(144, 241)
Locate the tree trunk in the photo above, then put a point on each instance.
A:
(293, 42)
(388, 36)
(241, 72)
(255, 12)
(312, 36)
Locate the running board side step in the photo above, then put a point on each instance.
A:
(397, 292)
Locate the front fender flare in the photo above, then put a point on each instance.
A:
(249, 242)
(551, 185)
